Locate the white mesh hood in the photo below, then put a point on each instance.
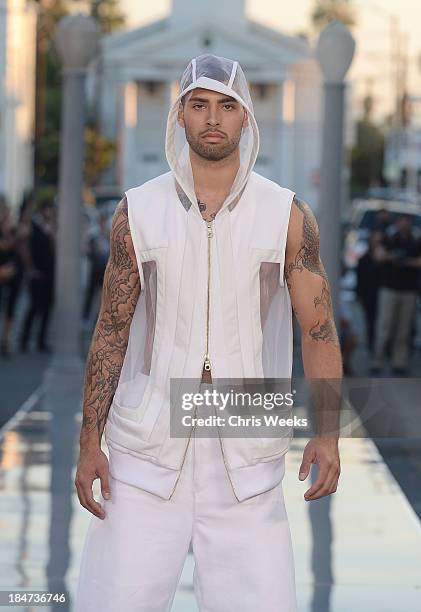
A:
(225, 76)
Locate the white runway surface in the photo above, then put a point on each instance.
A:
(358, 550)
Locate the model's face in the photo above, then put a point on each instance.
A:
(208, 111)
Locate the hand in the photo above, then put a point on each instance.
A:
(92, 464)
(324, 452)
(7, 271)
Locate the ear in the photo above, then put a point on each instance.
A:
(180, 115)
(245, 119)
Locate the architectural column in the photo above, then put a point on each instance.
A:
(155, 100)
(286, 93)
(128, 135)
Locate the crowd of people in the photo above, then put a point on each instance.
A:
(27, 264)
(388, 284)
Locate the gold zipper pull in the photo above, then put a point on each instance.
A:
(210, 232)
(207, 363)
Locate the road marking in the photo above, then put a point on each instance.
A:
(27, 405)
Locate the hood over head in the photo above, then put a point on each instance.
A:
(225, 76)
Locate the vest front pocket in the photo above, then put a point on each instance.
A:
(272, 448)
(126, 399)
(270, 312)
(138, 376)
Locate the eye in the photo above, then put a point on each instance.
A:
(197, 104)
(230, 105)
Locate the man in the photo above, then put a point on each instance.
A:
(400, 256)
(40, 262)
(98, 250)
(205, 262)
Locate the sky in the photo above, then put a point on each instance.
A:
(372, 66)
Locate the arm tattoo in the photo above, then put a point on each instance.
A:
(120, 293)
(308, 257)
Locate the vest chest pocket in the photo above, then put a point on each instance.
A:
(139, 373)
(270, 313)
(265, 288)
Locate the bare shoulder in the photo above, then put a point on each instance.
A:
(302, 215)
(122, 281)
(121, 243)
(303, 242)
(121, 213)
(302, 226)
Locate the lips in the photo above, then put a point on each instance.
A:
(213, 135)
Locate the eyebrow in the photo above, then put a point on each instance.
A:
(198, 99)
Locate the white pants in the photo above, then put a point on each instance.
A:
(132, 560)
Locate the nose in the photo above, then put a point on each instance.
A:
(212, 119)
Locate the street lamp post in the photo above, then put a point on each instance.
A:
(335, 50)
(76, 41)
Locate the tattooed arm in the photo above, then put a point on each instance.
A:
(309, 290)
(120, 293)
(310, 295)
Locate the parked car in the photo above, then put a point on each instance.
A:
(362, 220)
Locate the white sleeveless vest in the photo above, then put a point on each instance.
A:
(210, 292)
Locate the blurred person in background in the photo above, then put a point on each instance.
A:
(40, 266)
(400, 254)
(98, 250)
(6, 272)
(348, 338)
(383, 220)
(11, 277)
(369, 272)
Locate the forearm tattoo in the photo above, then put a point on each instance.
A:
(120, 293)
(308, 258)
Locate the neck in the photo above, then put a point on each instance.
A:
(214, 178)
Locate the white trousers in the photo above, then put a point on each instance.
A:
(132, 560)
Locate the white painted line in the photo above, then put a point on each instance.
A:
(29, 403)
(405, 502)
(409, 509)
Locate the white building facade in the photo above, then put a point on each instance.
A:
(17, 97)
(139, 78)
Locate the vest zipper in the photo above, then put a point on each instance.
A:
(207, 367)
(207, 363)
(184, 456)
(225, 463)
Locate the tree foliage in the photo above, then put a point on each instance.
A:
(367, 154)
(326, 11)
(99, 150)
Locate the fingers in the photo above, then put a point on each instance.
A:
(86, 498)
(304, 470)
(326, 482)
(105, 483)
(308, 457)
